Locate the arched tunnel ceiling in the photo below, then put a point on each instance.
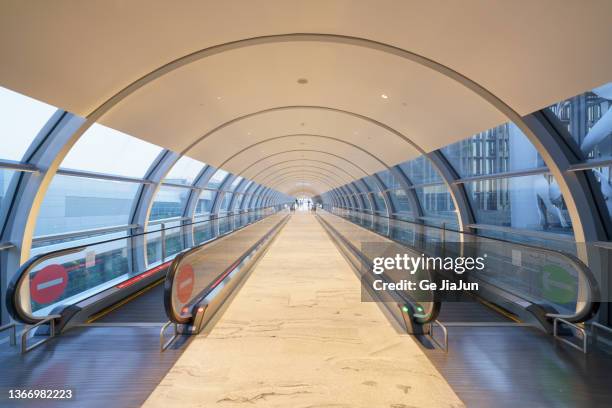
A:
(77, 55)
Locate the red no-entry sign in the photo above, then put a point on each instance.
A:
(48, 284)
(184, 281)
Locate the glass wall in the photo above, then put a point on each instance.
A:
(21, 118)
(205, 202)
(217, 179)
(105, 150)
(77, 203)
(184, 171)
(169, 202)
(498, 150)
(587, 120)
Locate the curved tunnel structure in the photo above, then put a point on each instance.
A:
(152, 128)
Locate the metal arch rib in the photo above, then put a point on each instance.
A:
(373, 156)
(351, 176)
(328, 176)
(308, 167)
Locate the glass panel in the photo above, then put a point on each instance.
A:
(174, 242)
(235, 183)
(205, 202)
(227, 197)
(184, 171)
(105, 150)
(603, 175)
(203, 231)
(389, 180)
(588, 119)
(21, 118)
(77, 203)
(217, 179)
(246, 186)
(366, 202)
(529, 202)
(399, 198)
(420, 171)
(85, 273)
(238, 201)
(379, 202)
(500, 149)
(5, 180)
(371, 183)
(169, 202)
(436, 201)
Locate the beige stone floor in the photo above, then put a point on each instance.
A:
(297, 335)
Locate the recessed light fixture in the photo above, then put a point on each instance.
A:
(384, 96)
(218, 98)
(302, 81)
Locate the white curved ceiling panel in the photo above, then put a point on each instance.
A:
(78, 54)
(345, 165)
(406, 96)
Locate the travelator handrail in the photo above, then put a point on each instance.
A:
(186, 313)
(14, 290)
(590, 305)
(420, 318)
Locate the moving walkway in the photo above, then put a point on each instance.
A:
(514, 288)
(96, 283)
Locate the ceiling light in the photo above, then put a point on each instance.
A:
(218, 98)
(302, 81)
(384, 96)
